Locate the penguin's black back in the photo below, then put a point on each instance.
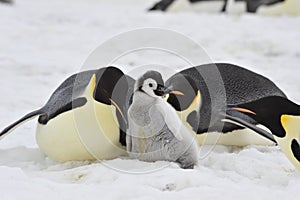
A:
(112, 86)
(63, 97)
(67, 95)
(222, 84)
(243, 85)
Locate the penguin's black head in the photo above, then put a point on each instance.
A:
(112, 89)
(183, 91)
(152, 84)
(268, 111)
(111, 84)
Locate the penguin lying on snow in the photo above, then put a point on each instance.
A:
(282, 117)
(85, 117)
(206, 90)
(155, 131)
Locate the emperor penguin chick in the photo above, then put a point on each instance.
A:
(155, 132)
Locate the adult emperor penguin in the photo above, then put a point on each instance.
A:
(204, 91)
(155, 131)
(85, 117)
(282, 117)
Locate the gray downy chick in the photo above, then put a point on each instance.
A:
(155, 132)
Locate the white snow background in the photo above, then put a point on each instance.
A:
(42, 42)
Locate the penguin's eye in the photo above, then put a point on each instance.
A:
(150, 85)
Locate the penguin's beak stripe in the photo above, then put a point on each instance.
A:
(244, 110)
(176, 92)
(117, 107)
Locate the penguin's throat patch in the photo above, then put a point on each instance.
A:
(290, 123)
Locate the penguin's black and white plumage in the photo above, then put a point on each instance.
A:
(89, 108)
(106, 93)
(206, 90)
(6, 1)
(265, 7)
(282, 117)
(155, 132)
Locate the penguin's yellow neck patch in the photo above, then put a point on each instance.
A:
(89, 91)
(101, 125)
(105, 114)
(291, 125)
(194, 106)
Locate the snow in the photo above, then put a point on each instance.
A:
(42, 42)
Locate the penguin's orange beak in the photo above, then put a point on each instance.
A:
(117, 107)
(243, 110)
(176, 92)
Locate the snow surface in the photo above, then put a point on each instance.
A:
(42, 42)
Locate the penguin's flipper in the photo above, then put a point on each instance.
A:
(24, 119)
(243, 123)
(76, 103)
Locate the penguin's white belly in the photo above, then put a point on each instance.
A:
(60, 141)
(241, 137)
(290, 7)
(78, 134)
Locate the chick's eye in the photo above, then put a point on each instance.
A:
(150, 85)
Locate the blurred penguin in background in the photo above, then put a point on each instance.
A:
(6, 1)
(267, 7)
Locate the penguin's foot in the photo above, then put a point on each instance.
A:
(187, 166)
(186, 163)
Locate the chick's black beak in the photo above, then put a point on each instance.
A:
(161, 90)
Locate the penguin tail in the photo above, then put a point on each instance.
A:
(19, 122)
